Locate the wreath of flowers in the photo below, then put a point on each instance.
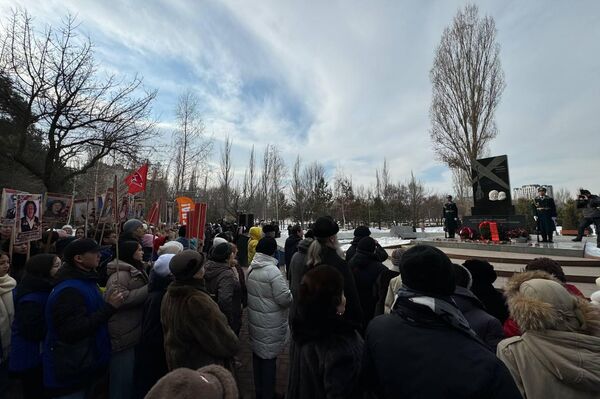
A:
(485, 231)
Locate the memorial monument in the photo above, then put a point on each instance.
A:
(492, 195)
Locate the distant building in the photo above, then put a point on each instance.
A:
(530, 191)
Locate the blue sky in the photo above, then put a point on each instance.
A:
(347, 82)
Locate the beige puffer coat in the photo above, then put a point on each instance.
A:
(558, 355)
(125, 326)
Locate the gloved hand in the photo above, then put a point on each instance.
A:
(535, 218)
(554, 219)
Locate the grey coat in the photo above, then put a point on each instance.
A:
(269, 298)
(224, 287)
(298, 265)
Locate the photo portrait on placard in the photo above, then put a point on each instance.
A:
(57, 207)
(8, 208)
(108, 210)
(29, 225)
(139, 209)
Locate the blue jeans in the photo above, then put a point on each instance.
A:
(121, 374)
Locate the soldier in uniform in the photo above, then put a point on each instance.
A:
(544, 214)
(450, 216)
(590, 205)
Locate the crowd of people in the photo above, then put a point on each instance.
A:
(144, 313)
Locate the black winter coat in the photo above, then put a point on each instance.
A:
(366, 269)
(381, 287)
(492, 299)
(487, 327)
(354, 311)
(412, 353)
(69, 314)
(325, 361)
(150, 361)
(382, 254)
(291, 246)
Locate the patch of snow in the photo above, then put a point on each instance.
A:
(592, 250)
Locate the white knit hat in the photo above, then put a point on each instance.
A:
(170, 247)
(218, 240)
(161, 266)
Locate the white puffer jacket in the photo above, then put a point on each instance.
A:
(269, 298)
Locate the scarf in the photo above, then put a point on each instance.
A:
(442, 309)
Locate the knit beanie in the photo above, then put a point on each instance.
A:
(209, 382)
(428, 270)
(220, 253)
(185, 265)
(131, 225)
(267, 246)
(325, 226)
(367, 245)
(362, 231)
(170, 247)
(147, 240)
(161, 265)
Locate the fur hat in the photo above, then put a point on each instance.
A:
(366, 245)
(362, 231)
(185, 265)
(131, 225)
(170, 247)
(267, 246)
(325, 226)
(428, 270)
(538, 301)
(481, 271)
(209, 382)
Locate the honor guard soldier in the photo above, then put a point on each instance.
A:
(450, 216)
(544, 214)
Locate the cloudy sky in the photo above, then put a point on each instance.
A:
(347, 82)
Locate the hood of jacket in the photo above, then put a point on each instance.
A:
(466, 300)
(572, 358)
(212, 269)
(261, 260)
(255, 233)
(7, 283)
(70, 272)
(123, 266)
(525, 293)
(362, 259)
(158, 283)
(304, 244)
(31, 284)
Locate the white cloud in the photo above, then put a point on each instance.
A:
(346, 83)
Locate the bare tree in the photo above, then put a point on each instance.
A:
(343, 193)
(191, 144)
(468, 82)
(278, 174)
(64, 103)
(226, 177)
(265, 179)
(250, 185)
(299, 192)
(561, 196)
(416, 199)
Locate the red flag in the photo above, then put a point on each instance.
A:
(153, 217)
(137, 180)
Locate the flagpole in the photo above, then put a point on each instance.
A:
(116, 216)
